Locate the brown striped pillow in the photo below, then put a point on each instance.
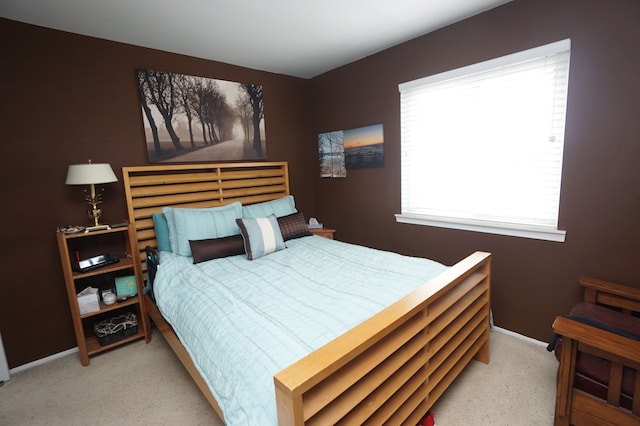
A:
(293, 226)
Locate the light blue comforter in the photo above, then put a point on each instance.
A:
(243, 321)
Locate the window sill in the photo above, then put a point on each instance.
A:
(488, 228)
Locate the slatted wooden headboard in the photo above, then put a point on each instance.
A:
(149, 188)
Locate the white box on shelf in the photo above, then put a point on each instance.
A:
(88, 300)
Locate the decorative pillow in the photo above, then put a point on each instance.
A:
(200, 224)
(215, 248)
(293, 226)
(162, 231)
(261, 236)
(280, 207)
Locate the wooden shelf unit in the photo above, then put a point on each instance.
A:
(89, 244)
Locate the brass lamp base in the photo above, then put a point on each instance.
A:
(95, 214)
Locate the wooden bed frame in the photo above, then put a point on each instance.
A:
(390, 368)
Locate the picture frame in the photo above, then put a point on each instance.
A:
(197, 119)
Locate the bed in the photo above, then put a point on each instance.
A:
(389, 365)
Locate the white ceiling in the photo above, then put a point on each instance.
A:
(300, 38)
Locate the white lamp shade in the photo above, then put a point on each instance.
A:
(90, 173)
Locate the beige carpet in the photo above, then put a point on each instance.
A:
(516, 388)
(142, 384)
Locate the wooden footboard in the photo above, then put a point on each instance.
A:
(392, 368)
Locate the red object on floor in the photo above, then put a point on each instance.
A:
(427, 420)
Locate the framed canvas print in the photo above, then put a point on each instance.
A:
(197, 119)
(364, 147)
(331, 152)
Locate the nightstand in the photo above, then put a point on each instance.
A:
(323, 232)
(87, 244)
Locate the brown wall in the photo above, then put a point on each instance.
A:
(68, 98)
(533, 281)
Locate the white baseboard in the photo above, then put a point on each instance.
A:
(520, 336)
(74, 350)
(43, 360)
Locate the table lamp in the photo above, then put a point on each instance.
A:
(92, 174)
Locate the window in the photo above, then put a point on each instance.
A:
(482, 145)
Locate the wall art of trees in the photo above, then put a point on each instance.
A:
(188, 118)
(331, 154)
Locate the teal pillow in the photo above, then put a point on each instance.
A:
(200, 224)
(162, 231)
(281, 207)
(261, 236)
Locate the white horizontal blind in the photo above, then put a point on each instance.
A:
(483, 144)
